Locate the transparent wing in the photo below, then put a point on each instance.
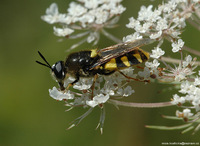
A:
(120, 49)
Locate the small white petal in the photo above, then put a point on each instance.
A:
(152, 65)
(76, 9)
(62, 32)
(128, 91)
(145, 74)
(187, 113)
(156, 35)
(157, 53)
(98, 99)
(59, 95)
(187, 61)
(83, 84)
(132, 37)
(197, 81)
(177, 46)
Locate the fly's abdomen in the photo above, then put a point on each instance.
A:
(132, 58)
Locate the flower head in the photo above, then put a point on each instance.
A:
(177, 46)
(163, 23)
(157, 53)
(98, 99)
(90, 16)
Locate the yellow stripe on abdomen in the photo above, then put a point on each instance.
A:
(111, 65)
(138, 57)
(145, 53)
(125, 61)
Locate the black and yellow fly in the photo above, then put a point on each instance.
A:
(104, 62)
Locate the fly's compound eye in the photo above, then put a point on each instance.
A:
(58, 70)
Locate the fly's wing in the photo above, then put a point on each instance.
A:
(120, 49)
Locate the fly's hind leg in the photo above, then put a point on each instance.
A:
(133, 78)
(140, 67)
(95, 78)
(93, 85)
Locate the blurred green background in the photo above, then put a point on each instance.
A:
(29, 116)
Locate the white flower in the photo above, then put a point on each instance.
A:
(52, 10)
(157, 52)
(156, 35)
(177, 46)
(62, 32)
(132, 37)
(145, 27)
(145, 13)
(89, 16)
(162, 24)
(129, 72)
(145, 74)
(98, 99)
(197, 81)
(196, 102)
(170, 6)
(76, 9)
(107, 90)
(180, 22)
(68, 80)
(91, 4)
(187, 61)
(52, 15)
(86, 18)
(174, 33)
(185, 114)
(133, 23)
(81, 100)
(187, 87)
(180, 73)
(125, 92)
(180, 76)
(83, 84)
(59, 95)
(177, 100)
(152, 65)
(118, 9)
(101, 16)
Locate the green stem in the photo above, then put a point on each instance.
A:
(195, 52)
(177, 61)
(110, 36)
(140, 105)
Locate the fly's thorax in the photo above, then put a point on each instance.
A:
(79, 63)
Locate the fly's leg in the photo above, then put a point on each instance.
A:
(71, 84)
(133, 78)
(140, 67)
(93, 85)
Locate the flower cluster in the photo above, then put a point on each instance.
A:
(190, 93)
(167, 23)
(164, 23)
(106, 87)
(113, 87)
(89, 17)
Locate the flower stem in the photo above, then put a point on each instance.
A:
(140, 105)
(177, 61)
(194, 24)
(110, 36)
(191, 50)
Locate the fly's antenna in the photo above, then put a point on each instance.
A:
(47, 64)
